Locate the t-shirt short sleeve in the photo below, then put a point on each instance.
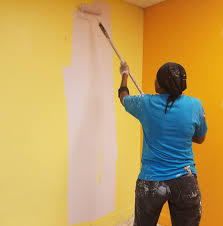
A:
(134, 105)
(201, 128)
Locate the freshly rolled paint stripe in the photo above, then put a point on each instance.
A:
(92, 139)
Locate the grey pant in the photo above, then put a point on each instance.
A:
(183, 196)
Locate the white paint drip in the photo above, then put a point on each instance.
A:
(193, 195)
(162, 190)
(200, 207)
(178, 175)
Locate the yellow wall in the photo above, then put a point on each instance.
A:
(191, 33)
(35, 43)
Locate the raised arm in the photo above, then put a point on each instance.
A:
(123, 91)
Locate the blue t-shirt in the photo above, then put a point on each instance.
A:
(167, 138)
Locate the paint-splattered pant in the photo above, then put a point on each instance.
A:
(183, 196)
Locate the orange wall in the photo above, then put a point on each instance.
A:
(191, 33)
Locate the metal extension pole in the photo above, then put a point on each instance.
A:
(119, 56)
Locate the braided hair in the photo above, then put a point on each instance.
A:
(172, 78)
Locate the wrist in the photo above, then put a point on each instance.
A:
(125, 75)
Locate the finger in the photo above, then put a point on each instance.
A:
(123, 63)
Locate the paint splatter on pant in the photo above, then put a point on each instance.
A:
(183, 196)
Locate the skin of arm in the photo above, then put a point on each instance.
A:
(124, 84)
(198, 140)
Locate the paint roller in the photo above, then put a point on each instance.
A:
(90, 9)
(84, 8)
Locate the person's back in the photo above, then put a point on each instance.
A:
(167, 143)
(170, 121)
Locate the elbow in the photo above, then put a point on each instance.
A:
(199, 140)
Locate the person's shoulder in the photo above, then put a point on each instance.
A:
(134, 98)
(147, 97)
(142, 96)
(138, 98)
(193, 100)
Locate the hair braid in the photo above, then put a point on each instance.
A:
(172, 77)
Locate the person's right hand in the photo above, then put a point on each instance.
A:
(124, 69)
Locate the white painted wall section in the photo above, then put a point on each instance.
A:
(92, 142)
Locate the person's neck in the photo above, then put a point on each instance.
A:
(163, 91)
